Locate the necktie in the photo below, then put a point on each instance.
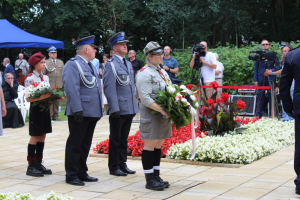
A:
(124, 62)
(41, 76)
(53, 61)
(91, 66)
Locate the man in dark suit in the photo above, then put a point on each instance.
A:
(8, 68)
(291, 70)
(82, 85)
(119, 89)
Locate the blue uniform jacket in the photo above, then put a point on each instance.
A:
(79, 97)
(259, 71)
(119, 98)
(291, 70)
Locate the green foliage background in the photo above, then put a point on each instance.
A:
(238, 69)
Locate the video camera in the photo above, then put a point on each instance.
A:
(200, 52)
(263, 56)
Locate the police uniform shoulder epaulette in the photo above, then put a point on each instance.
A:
(29, 74)
(295, 49)
(72, 59)
(110, 60)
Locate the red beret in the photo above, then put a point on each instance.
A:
(35, 58)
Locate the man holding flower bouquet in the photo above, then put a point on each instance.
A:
(39, 118)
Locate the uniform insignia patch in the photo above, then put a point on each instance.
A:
(72, 59)
(82, 61)
(123, 76)
(142, 69)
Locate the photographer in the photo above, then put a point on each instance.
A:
(207, 70)
(261, 78)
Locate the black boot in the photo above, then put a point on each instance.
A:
(157, 177)
(40, 167)
(32, 171)
(152, 183)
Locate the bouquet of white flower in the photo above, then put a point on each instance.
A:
(179, 103)
(35, 90)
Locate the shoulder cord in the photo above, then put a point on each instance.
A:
(83, 79)
(161, 75)
(122, 83)
(49, 69)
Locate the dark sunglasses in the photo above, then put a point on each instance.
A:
(265, 44)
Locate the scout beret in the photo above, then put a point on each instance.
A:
(35, 58)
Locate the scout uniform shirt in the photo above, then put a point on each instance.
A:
(54, 71)
(151, 83)
(35, 77)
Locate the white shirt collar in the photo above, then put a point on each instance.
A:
(83, 58)
(37, 74)
(120, 57)
(7, 64)
(53, 60)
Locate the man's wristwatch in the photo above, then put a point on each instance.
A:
(169, 69)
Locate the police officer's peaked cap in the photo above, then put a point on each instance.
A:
(282, 45)
(152, 47)
(86, 40)
(52, 49)
(117, 38)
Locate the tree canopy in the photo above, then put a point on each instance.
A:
(176, 23)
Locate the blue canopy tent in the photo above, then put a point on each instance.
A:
(13, 37)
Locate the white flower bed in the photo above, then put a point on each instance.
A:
(262, 138)
(27, 196)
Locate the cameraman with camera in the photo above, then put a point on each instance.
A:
(209, 64)
(261, 78)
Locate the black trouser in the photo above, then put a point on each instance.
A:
(119, 131)
(297, 151)
(78, 146)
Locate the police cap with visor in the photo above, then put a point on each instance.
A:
(117, 38)
(86, 40)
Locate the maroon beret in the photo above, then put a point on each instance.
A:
(35, 58)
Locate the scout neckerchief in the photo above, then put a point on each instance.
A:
(162, 76)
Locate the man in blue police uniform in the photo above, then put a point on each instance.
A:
(261, 79)
(83, 107)
(119, 89)
(291, 70)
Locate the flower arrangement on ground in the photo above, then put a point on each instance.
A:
(135, 145)
(35, 90)
(262, 138)
(217, 115)
(28, 196)
(179, 103)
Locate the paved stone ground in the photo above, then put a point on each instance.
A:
(269, 178)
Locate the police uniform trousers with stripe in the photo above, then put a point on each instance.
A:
(119, 131)
(152, 126)
(78, 146)
(39, 121)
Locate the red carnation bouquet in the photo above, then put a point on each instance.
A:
(217, 114)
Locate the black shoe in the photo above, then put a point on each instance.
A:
(127, 170)
(152, 183)
(40, 167)
(118, 172)
(32, 170)
(89, 179)
(75, 181)
(297, 192)
(157, 177)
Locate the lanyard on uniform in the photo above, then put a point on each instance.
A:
(162, 76)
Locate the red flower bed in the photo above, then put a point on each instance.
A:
(135, 145)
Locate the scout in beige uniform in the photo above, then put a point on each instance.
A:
(53, 69)
(153, 128)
